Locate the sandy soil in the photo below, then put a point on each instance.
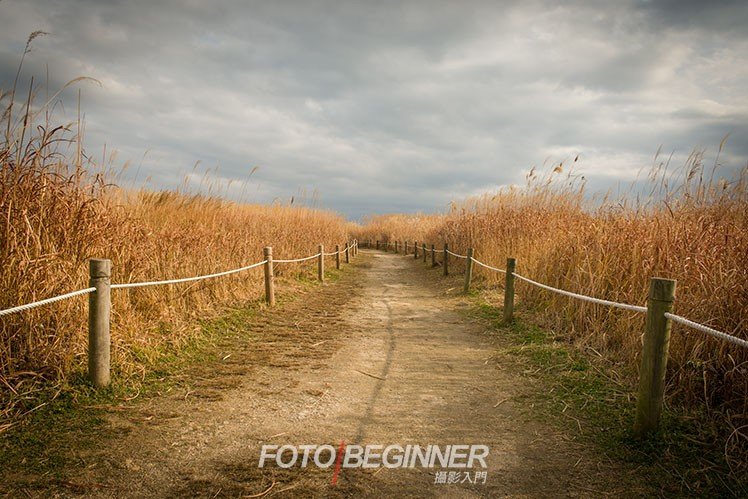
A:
(383, 356)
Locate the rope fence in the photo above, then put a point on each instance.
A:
(488, 266)
(185, 279)
(656, 335)
(464, 257)
(28, 306)
(99, 303)
(706, 329)
(624, 306)
(297, 260)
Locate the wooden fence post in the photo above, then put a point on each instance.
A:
(406, 248)
(377, 244)
(446, 259)
(99, 306)
(654, 356)
(321, 263)
(509, 290)
(433, 255)
(337, 256)
(468, 269)
(424, 252)
(397, 250)
(269, 278)
(415, 250)
(347, 253)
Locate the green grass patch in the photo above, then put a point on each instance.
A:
(581, 395)
(70, 419)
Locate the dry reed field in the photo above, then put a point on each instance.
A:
(692, 227)
(58, 209)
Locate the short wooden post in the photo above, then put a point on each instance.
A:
(511, 264)
(446, 259)
(654, 356)
(415, 250)
(355, 247)
(337, 256)
(321, 263)
(406, 248)
(424, 252)
(468, 269)
(377, 244)
(269, 278)
(99, 306)
(347, 253)
(433, 255)
(397, 249)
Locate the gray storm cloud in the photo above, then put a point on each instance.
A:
(398, 106)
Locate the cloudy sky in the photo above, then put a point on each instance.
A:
(390, 106)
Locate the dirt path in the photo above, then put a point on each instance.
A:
(382, 358)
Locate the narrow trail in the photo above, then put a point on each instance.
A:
(383, 356)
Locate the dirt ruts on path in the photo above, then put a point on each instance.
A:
(382, 356)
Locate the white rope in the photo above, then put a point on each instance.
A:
(489, 267)
(21, 308)
(185, 279)
(458, 256)
(633, 308)
(298, 259)
(705, 329)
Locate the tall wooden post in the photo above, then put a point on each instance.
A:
(321, 263)
(446, 259)
(424, 252)
(654, 356)
(269, 278)
(511, 264)
(99, 306)
(347, 253)
(397, 249)
(337, 256)
(468, 269)
(377, 244)
(415, 250)
(433, 255)
(406, 248)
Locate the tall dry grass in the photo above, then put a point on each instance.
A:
(57, 210)
(691, 227)
(398, 227)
